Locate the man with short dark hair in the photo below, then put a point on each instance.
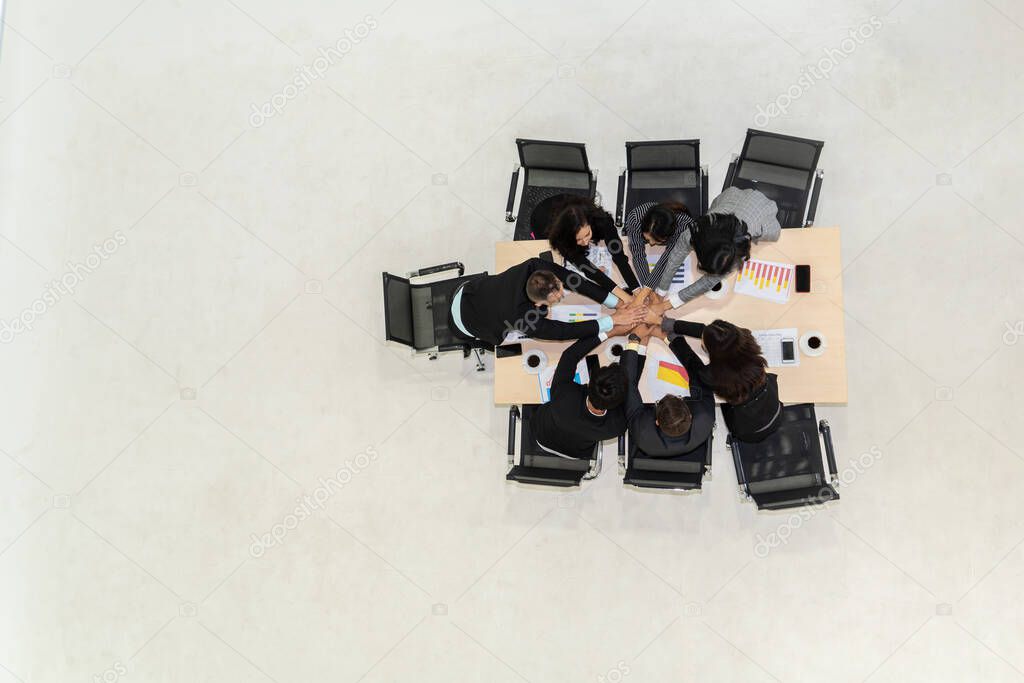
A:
(674, 425)
(491, 306)
(577, 417)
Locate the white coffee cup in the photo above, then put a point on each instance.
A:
(535, 361)
(610, 349)
(813, 343)
(722, 291)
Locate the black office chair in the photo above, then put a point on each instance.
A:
(552, 168)
(785, 470)
(662, 171)
(537, 466)
(416, 315)
(680, 473)
(785, 169)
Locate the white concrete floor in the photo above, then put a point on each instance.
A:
(225, 354)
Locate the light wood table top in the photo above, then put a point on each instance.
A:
(820, 379)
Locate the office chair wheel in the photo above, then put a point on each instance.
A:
(432, 355)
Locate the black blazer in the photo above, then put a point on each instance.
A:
(612, 240)
(755, 418)
(564, 423)
(640, 416)
(758, 416)
(494, 305)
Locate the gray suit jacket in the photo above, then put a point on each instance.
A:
(757, 212)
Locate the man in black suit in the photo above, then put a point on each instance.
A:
(577, 417)
(673, 426)
(492, 306)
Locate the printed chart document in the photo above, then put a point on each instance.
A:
(770, 342)
(766, 280)
(683, 277)
(575, 313)
(544, 378)
(599, 257)
(665, 375)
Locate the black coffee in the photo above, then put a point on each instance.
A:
(533, 361)
(717, 287)
(814, 342)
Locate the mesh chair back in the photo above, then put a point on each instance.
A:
(398, 324)
(540, 467)
(553, 155)
(782, 167)
(663, 155)
(786, 469)
(663, 171)
(417, 314)
(782, 150)
(552, 168)
(682, 472)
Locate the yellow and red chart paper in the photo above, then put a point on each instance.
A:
(665, 376)
(766, 280)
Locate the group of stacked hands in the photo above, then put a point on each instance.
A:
(576, 418)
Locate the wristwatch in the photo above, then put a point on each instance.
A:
(633, 337)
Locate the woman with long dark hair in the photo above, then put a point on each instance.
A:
(579, 224)
(737, 373)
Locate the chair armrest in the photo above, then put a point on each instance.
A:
(512, 195)
(741, 477)
(730, 172)
(710, 451)
(620, 198)
(703, 189)
(813, 208)
(830, 451)
(454, 265)
(513, 416)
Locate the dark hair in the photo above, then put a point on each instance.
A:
(721, 243)
(570, 217)
(737, 366)
(673, 415)
(607, 387)
(660, 221)
(541, 285)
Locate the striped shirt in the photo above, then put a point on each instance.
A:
(638, 248)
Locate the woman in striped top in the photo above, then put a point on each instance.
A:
(654, 224)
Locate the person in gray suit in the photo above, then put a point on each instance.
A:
(721, 239)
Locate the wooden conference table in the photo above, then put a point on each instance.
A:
(820, 379)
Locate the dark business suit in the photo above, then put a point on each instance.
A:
(564, 424)
(643, 432)
(755, 418)
(494, 305)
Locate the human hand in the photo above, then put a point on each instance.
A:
(653, 317)
(623, 296)
(629, 316)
